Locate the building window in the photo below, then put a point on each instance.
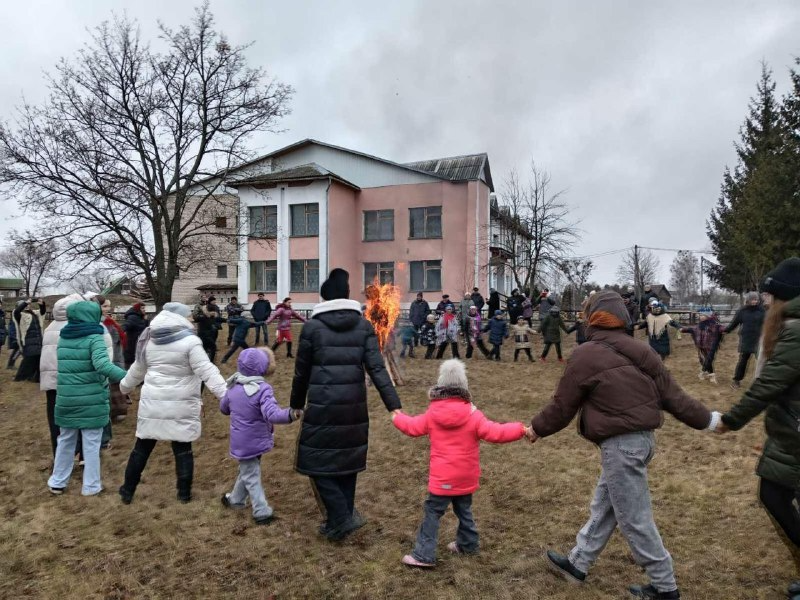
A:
(378, 225)
(263, 221)
(222, 271)
(383, 272)
(305, 275)
(426, 275)
(264, 276)
(221, 222)
(425, 222)
(305, 219)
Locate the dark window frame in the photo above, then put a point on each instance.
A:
(426, 267)
(265, 266)
(222, 271)
(306, 213)
(308, 284)
(379, 269)
(380, 215)
(426, 217)
(266, 229)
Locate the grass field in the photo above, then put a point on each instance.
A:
(532, 498)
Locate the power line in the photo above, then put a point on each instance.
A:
(677, 250)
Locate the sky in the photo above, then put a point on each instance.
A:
(633, 107)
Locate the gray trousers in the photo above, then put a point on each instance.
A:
(622, 497)
(248, 483)
(428, 534)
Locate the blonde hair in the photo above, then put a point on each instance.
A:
(773, 323)
(270, 357)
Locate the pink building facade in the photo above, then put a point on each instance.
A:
(312, 207)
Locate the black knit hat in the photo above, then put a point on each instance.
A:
(336, 286)
(783, 281)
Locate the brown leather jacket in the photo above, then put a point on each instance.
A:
(619, 385)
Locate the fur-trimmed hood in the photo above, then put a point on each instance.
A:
(450, 408)
(439, 392)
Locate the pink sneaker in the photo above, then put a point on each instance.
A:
(413, 562)
(453, 547)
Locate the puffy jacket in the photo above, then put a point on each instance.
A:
(242, 328)
(617, 385)
(455, 427)
(252, 417)
(13, 343)
(427, 334)
(522, 336)
(418, 312)
(473, 332)
(84, 369)
(337, 345)
(284, 316)
(172, 368)
(551, 329)
(261, 310)
(498, 330)
(751, 319)
(134, 324)
(3, 330)
(48, 365)
(777, 390)
(29, 328)
(446, 333)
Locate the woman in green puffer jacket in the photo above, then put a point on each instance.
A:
(777, 391)
(82, 396)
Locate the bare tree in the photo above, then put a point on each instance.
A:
(130, 152)
(685, 276)
(31, 260)
(577, 272)
(535, 226)
(639, 268)
(89, 280)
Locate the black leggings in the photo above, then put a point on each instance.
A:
(234, 346)
(741, 366)
(453, 349)
(546, 349)
(779, 503)
(184, 466)
(525, 350)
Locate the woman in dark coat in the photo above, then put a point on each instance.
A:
(337, 346)
(751, 319)
(135, 323)
(776, 390)
(29, 320)
(494, 303)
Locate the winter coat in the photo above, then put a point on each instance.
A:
(478, 301)
(252, 417)
(579, 328)
(514, 307)
(657, 332)
(48, 365)
(242, 328)
(418, 312)
(617, 385)
(84, 370)
(527, 308)
(551, 329)
(473, 332)
(446, 334)
(29, 328)
(463, 308)
(427, 334)
(442, 306)
(777, 390)
(498, 330)
(455, 427)
(284, 316)
(13, 343)
(173, 365)
(3, 330)
(261, 310)
(707, 336)
(522, 336)
(134, 324)
(234, 309)
(407, 334)
(338, 347)
(545, 304)
(751, 319)
(494, 303)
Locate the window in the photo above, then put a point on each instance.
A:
(378, 225)
(425, 222)
(263, 221)
(305, 219)
(305, 275)
(384, 272)
(222, 271)
(221, 222)
(426, 275)
(264, 276)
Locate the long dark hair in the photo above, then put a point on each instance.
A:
(773, 323)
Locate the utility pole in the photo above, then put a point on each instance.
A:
(702, 260)
(636, 289)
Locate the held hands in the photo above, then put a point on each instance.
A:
(296, 414)
(395, 412)
(530, 434)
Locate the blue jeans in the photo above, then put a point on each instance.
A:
(259, 328)
(428, 534)
(65, 459)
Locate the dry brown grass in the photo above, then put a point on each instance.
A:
(532, 498)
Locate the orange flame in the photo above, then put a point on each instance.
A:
(383, 308)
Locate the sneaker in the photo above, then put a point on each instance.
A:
(702, 376)
(735, 385)
(264, 520)
(125, 495)
(56, 491)
(651, 593)
(226, 502)
(561, 566)
(712, 378)
(413, 562)
(453, 547)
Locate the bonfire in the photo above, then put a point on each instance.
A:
(383, 309)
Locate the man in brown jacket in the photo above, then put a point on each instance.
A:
(619, 388)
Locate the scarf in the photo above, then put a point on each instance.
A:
(447, 317)
(141, 344)
(109, 323)
(251, 384)
(657, 324)
(74, 331)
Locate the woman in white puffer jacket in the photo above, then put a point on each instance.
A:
(171, 362)
(48, 367)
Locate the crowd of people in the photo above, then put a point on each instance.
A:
(618, 387)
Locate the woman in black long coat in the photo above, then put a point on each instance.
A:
(337, 346)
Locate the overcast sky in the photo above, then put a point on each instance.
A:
(632, 106)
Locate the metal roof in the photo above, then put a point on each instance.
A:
(468, 167)
(308, 172)
(12, 284)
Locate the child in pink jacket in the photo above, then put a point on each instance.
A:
(455, 427)
(284, 314)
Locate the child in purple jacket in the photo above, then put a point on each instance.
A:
(253, 409)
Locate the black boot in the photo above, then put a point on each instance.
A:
(184, 470)
(275, 346)
(133, 474)
(289, 350)
(794, 590)
(650, 593)
(561, 565)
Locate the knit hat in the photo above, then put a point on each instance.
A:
(138, 306)
(336, 286)
(751, 297)
(453, 374)
(178, 309)
(783, 281)
(431, 318)
(606, 310)
(705, 312)
(498, 312)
